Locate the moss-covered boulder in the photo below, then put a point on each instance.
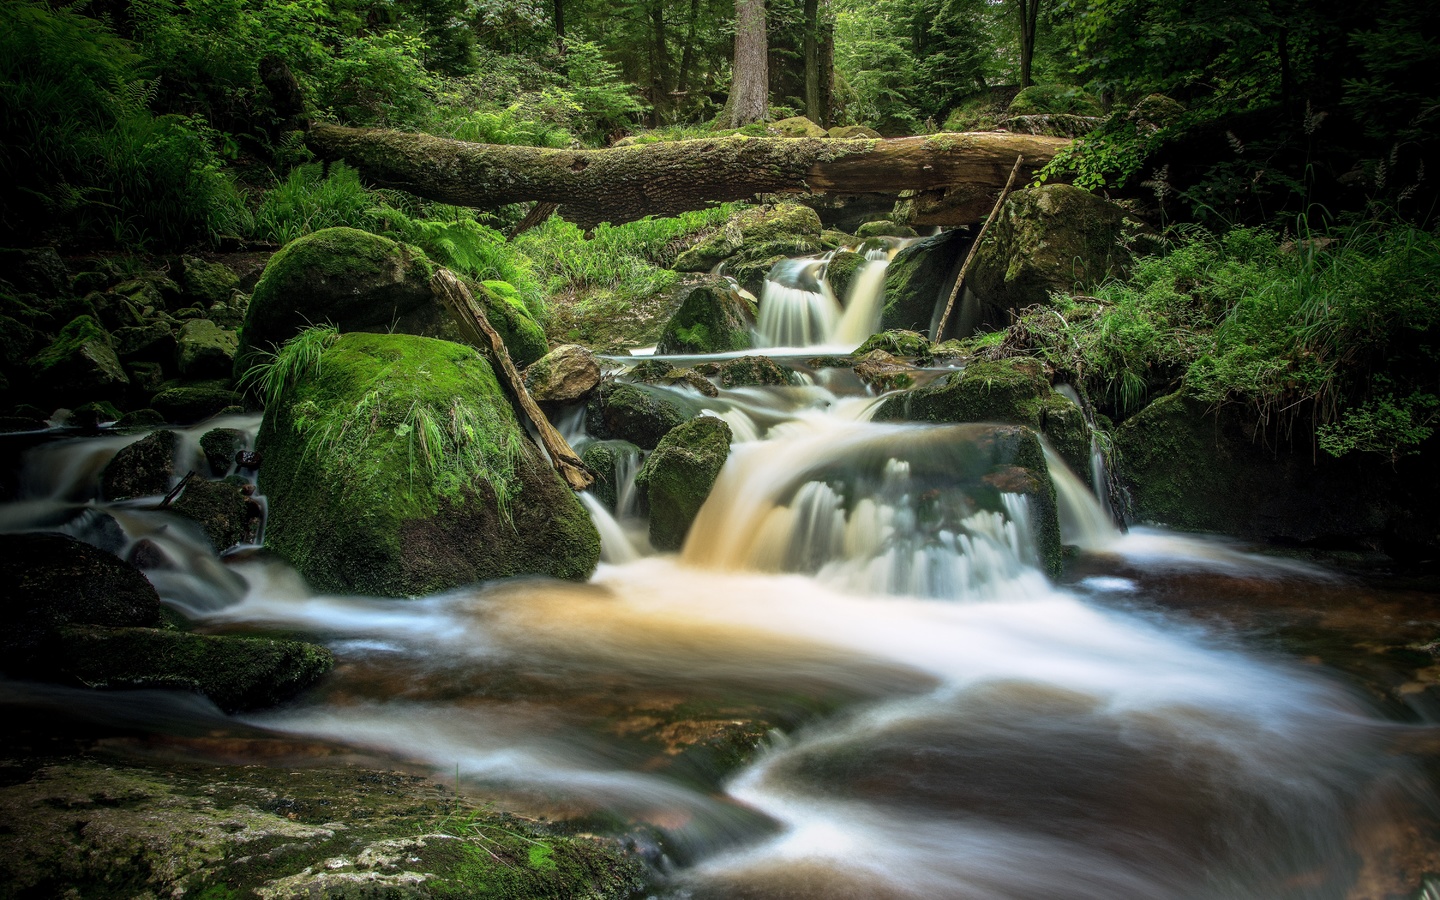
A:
(840, 272)
(846, 132)
(205, 350)
(798, 127)
(79, 365)
(612, 462)
(1014, 389)
(637, 413)
(395, 466)
(352, 279)
(219, 446)
(140, 418)
(93, 415)
(898, 342)
(221, 509)
(53, 580)
(884, 228)
(678, 476)
(566, 374)
(523, 337)
(884, 371)
(919, 278)
(1050, 99)
(206, 283)
(236, 673)
(756, 371)
(1053, 237)
(785, 229)
(142, 469)
(1020, 468)
(659, 371)
(187, 403)
(713, 318)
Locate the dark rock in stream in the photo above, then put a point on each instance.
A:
(604, 458)
(142, 469)
(713, 318)
(636, 413)
(220, 446)
(919, 278)
(756, 371)
(678, 476)
(222, 510)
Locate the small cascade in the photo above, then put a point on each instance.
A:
(864, 302)
(615, 546)
(797, 308)
(1084, 522)
(1099, 475)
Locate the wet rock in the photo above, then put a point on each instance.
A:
(636, 413)
(206, 350)
(140, 418)
(146, 554)
(919, 279)
(223, 511)
(236, 673)
(145, 468)
(841, 272)
(658, 371)
(220, 446)
(798, 127)
(786, 229)
(755, 371)
(884, 372)
(53, 580)
(898, 342)
(80, 365)
(37, 270)
(1019, 467)
(358, 504)
(751, 273)
(678, 476)
(207, 283)
(349, 278)
(1054, 237)
(884, 228)
(713, 318)
(92, 415)
(565, 374)
(188, 403)
(605, 459)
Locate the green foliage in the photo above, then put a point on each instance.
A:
(279, 371)
(1335, 327)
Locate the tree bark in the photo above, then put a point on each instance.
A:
(621, 184)
(750, 73)
(813, 109)
(1029, 21)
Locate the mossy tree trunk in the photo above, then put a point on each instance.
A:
(621, 184)
(750, 74)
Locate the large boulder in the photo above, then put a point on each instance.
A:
(786, 229)
(713, 318)
(142, 469)
(678, 476)
(1054, 237)
(920, 278)
(352, 279)
(637, 413)
(79, 365)
(395, 466)
(566, 374)
(798, 127)
(1014, 390)
(53, 580)
(206, 350)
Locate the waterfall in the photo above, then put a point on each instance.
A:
(864, 303)
(797, 308)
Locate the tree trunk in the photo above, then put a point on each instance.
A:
(1029, 21)
(621, 184)
(813, 109)
(827, 77)
(750, 74)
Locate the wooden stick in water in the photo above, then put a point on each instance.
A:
(477, 329)
(970, 255)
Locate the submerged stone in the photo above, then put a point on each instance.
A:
(678, 476)
(395, 466)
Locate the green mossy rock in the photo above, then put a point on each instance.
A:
(884, 372)
(566, 374)
(142, 469)
(908, 344)
(189, 403)
(636, 413)
(919, 279)
(206, 350)
(349, 278)
(756, 371)
(107, 828)
(884, 228)
(841, 272)
(140, 418)
(1054, 237)
(786, 229)
(207, 283)
(53, 580)
(222, 511)
(1021, 468)
(605, 459)
(523, 337)
(657, 371)
(713, 318)
(357, 504)
(846, 132)
(236, 673)
(798, 127)
(80, 365)
(219, 446)
(751, 272)
(92, 415)
(678, 476)
(1053, 99)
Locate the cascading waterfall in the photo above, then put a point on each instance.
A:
(798, 308)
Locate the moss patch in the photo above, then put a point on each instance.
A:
(678, 477)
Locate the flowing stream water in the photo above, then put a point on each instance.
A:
(939, 719)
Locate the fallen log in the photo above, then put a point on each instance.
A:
(470, 316)
(621, 184)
